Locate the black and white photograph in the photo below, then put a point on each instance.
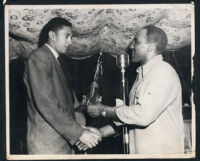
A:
(98, 81)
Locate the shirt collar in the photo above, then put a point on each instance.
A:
(143, 69)
(52, 50)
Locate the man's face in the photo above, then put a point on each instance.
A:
(139, 47)
(63, 39)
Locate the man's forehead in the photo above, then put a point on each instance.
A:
(141, 34)
(66, 29)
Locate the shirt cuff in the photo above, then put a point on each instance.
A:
(75, 138)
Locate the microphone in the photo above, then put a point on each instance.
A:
(122, 61)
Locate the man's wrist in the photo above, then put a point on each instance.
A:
(103, 111)
(106, 131)
(109, 112)
(102, 132)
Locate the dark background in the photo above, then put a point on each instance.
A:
(18, 107)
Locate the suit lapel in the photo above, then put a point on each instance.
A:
(60, 72)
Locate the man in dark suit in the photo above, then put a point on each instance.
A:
(52, 128)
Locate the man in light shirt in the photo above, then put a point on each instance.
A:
(52, 127)
(155, 100)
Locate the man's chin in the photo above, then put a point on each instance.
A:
(64, 51)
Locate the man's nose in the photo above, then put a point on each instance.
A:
(70, 40)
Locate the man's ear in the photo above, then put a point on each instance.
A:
(152, 47)
(51, 35)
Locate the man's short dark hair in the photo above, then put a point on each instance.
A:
(57, 23)
(158, 36)
(54, 25)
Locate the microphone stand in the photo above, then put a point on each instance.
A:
(122, 62)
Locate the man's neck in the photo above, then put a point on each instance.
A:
(55, 53)
(50, 44)
(149, 57)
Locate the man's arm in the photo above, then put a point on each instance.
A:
(79, 116)
(159, 94)
(107, 131)
(102, 110)
(149, 105)
(104, 132)
(47, 104)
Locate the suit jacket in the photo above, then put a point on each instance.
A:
(52, 128)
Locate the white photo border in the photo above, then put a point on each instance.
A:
(92, 156)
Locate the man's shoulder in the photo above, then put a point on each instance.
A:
(164, 71)
(165, 67)
(40, 53)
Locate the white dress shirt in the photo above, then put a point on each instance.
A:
(53, 51)
(155, 106)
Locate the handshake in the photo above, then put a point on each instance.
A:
(92, 136)
(89, 139)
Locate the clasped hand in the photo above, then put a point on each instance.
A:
(89, 139)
